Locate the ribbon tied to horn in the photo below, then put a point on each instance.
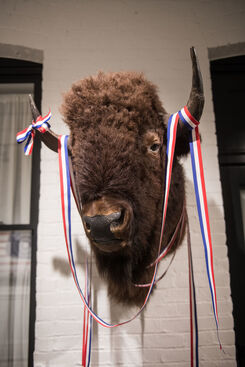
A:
(41, 124)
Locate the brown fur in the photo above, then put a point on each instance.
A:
(113, 119)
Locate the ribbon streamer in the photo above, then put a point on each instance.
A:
(193, 306)
(87, 319)
(201, 200)
(65, 186)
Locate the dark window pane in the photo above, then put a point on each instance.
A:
(242, 198)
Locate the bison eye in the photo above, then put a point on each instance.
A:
(152, 143)
(154, 147)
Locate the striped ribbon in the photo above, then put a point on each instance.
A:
(41, 125)
(202, 207)
(65, 185)
(87, 319)
(175, 240)
(193, 307)
(201, 199)
(171, 140)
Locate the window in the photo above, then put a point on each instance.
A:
(19, 192)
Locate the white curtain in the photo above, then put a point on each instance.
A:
(15, 262)
(15, 167)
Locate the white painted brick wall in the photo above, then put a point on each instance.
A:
(78, 38)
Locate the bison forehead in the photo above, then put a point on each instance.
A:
(114, 99)
(107, 161)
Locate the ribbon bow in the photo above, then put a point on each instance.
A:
(28, 133)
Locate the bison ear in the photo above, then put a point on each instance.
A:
(195, 106)
(49, 138)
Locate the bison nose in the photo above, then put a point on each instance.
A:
(100, 226)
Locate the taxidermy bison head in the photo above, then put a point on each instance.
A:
(118, 144)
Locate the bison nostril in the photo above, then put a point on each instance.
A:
(87, 226)
(118, 221)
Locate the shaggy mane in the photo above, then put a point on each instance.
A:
(128, 95)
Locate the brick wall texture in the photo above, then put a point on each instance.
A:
(78, 38)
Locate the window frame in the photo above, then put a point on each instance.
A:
(20, 71)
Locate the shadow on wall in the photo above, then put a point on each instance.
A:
(116, 313)
(62, 265)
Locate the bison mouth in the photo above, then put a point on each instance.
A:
(108, 223)
(109, 246)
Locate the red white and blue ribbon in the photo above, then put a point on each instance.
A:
(87, 319)
(41, 125)
(193, 307)
(171, 140)
(201, 199)
(202, 206)
(65, 186)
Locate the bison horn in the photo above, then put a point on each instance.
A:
(49, 137)
(196, 100)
